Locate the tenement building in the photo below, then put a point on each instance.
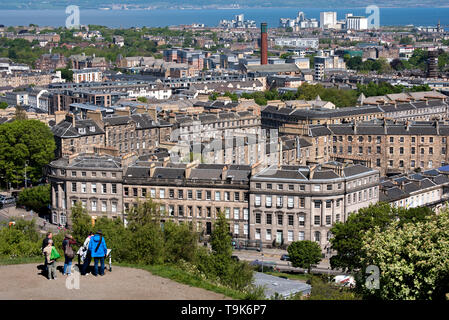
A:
(281, 204)
(291, 203)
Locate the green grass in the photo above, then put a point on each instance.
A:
(20, 260)
(176, 274)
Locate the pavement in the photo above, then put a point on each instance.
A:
(26, 282)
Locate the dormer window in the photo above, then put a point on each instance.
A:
(92, 129)
(81, 130)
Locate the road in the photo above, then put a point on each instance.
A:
(274, 255)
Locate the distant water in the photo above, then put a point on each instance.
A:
(162, 18)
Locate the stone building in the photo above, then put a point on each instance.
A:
(291, 203)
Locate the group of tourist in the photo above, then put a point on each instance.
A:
(93, 247)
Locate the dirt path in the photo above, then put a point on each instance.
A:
(26, 282)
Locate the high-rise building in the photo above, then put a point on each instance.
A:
(328, 20)
(432, 64)
(263, 43)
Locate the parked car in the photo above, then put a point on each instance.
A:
(285, 257)
(7, 201)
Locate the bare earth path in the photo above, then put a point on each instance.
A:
(25, 282)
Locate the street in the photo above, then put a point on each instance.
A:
(274, 255)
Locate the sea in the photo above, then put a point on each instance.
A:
(212, 17)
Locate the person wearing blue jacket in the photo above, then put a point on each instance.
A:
(98, 249)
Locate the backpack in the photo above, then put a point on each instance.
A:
(69, 251)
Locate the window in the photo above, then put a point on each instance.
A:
(258, 218)
(269, 186)
(103, 206)
(73, 173)
(328, 220)
(199, 194)
(302, 202)
(114, 206)
(94, 187)
(236, 213)
(317, 220)
(290, 219)
(83, 187)
(328, 204)
(280, 186)
(329, 187)
(236, 228)
(316, 187)
(317, 204)
(180, 194)
(268, 234)
(114, 188)
(217, 195)
(199, 211)
(301, 235)
(258, 185)
(73, 186)
(279, 202)
(83, 174)
(189, 194)
(280, 219)
(391, 139)
(236, 196)
(181, 211)
(162, 193)
(135, 192)
(290, 202)
(103, 188)
(245, 214)
(430, 150)
(257, 235)
(290, 235)
(291, 187)
(171, 193)
(257, 200)
(227, 196)
(302, 187)
(208, 195)
(227, 213)
(208, 212)
(269, 218)
(301, 220)
(171, 210)
(268, 201)
(94, 205)
(317, 236)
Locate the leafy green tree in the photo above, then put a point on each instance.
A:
(66, 74)
(36, 198)
(304, 254)
(81, 222)
(413, 258)
(20, 114)
(25, 142)
(3, 105)
(347, 236)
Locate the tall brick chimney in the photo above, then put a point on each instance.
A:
(263, 43)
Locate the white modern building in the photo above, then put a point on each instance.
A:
(356, 22)
(328, 20)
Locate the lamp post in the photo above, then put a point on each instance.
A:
(262, 262)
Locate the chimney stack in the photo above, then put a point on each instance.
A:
(263, 43)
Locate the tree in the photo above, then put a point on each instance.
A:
(413, 258)
(25, 144)
(66, 74)
(20, 114)
(304, 254)
(81, 222)
(36, 198)
(347, 236)
(3, 105)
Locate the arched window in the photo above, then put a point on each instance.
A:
(317, 236)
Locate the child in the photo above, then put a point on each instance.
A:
(51, 264)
